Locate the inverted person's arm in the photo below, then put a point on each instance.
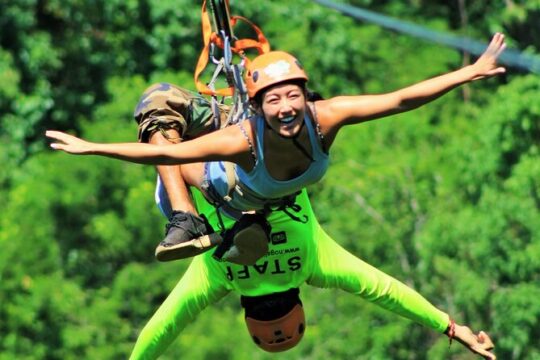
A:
(201, 285)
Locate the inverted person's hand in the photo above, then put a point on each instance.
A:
(480, 343)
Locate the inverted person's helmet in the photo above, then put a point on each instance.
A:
(272, 68)
(276, 322)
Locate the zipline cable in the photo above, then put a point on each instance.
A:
(509, 57)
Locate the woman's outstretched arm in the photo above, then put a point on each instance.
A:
(224, 144)
(346, 110)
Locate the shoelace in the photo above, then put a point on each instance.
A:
(181, 221)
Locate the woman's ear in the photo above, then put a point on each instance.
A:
(255, 106)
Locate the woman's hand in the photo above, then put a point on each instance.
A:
(69, 143)
(480, 343)
(486, 65)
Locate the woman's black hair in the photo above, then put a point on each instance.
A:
(313, 96)
(271, 306)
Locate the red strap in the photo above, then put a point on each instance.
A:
(261, 44)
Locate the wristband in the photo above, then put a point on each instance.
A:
(451, 331)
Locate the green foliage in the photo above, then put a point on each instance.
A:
(445, 198)
(519, 304)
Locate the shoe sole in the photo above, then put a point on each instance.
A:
(188, 249)
(252, 243)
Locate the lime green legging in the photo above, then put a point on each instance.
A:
(299, 253)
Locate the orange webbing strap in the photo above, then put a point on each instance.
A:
(261, 44)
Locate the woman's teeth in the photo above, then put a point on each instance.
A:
(287, 120)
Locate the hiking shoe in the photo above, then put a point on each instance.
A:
(187, 235)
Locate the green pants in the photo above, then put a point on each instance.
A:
(298, 253)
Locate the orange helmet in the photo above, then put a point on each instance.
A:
(275, 333)
(271, 68)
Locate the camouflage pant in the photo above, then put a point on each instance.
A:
(165, 106)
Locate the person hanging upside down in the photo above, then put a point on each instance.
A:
(299, 252)
(283, 148)
(277, 153)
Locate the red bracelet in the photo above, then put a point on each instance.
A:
(451, 331)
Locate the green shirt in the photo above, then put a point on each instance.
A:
(298, 253)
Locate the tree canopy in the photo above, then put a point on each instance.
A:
(445, 198)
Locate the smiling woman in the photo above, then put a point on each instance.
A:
(249, 170)
(283, 106)
(277, 152)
